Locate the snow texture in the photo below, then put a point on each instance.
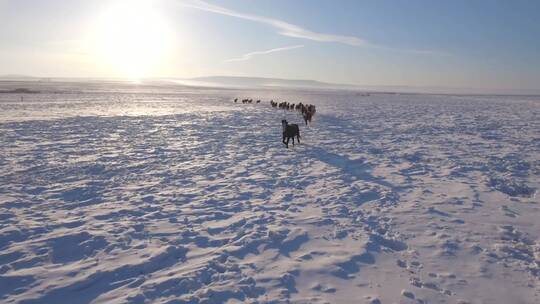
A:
(111, 193)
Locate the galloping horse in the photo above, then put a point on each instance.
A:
(290, 131)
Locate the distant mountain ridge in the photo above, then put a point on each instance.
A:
(262, 82)
(238, 81)
(16, 77)
(241, 82)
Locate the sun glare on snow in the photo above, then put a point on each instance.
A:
(132, 39)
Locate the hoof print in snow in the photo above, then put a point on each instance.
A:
(407, 294)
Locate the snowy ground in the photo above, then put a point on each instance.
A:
(160, 195)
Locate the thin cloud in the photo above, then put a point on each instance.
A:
(291, 30)
(412, 51)
(250, 55)
(283, 28)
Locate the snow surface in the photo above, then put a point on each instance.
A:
(155, 194)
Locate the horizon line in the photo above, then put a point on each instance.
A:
(375, 87)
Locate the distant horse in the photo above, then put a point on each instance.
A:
(307, 112)
(307, 117)
(290, 131)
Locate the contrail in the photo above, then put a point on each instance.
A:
(250, 55)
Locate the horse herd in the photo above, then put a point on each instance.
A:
(247, 100)
(290, 131)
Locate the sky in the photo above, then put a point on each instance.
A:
(461, 43)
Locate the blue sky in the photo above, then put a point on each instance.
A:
(476, 44)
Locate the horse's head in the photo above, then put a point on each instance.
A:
(284, 124)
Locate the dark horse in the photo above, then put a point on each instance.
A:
(307, 117)
(290, 131)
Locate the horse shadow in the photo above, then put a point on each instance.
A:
(353, 169)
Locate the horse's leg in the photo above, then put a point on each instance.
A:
(287, 143)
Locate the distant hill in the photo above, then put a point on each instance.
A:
(16, 77)
(235, 82)
(261, 82)
(254, 82)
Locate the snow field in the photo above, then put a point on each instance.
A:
(388, 199)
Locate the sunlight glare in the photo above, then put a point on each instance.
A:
(132, 38)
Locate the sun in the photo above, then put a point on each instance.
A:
(131, 38)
